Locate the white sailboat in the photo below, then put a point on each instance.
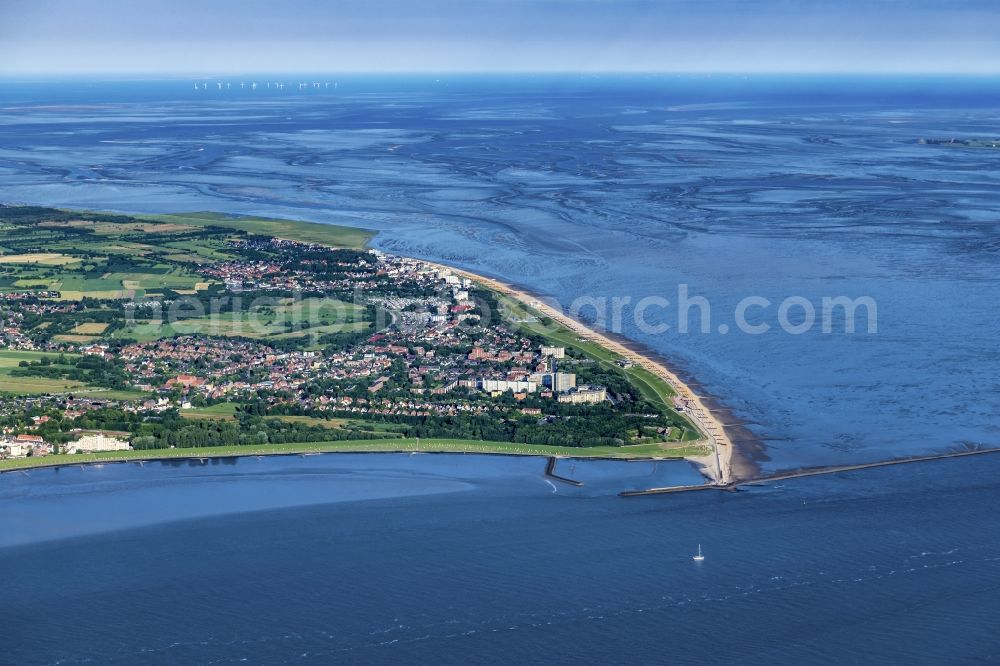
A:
(699, 557)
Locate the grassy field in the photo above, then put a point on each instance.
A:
(387, 445)
(30, 385)
(9, 385)
(37, 385)
(42, 259)
(263, 322)
(224, 411)
(308, 232)
(228, 327)
(89, 328)
(332, 424)
(323, 330)
(70, 337)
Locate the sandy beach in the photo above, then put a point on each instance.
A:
(717, 465)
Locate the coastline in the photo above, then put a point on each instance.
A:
(717, 466)
(747, 450)
(726, 463)
(733, 453)
(411, 447)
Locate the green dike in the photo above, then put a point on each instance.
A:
(364, 446)
(307, 232)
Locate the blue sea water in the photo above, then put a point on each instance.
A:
(615, 187)
(469, 559)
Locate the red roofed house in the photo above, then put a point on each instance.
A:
(186, 381)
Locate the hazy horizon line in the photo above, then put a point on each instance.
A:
(165, 75)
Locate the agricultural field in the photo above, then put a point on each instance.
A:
(105, 261)
(40, 258)
(10, 384)
(90, 328)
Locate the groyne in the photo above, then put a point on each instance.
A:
(814, 471)
(550, 472)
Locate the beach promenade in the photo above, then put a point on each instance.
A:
(717, 465)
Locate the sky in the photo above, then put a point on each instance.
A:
(209, 37)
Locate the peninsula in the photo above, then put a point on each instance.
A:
(199, 335)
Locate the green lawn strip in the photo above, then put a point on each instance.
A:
(315, 330)
(362, 446)
(223, 411)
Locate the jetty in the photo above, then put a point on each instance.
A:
(810, 471)
(550, 472)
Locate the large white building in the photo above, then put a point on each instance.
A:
(100, 442)
(506, 385)
(584, 394)
(557, 381)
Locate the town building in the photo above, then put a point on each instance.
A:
(20, 446)
(557, 381)
(501, 385)
(99, 441)
(584, 394)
